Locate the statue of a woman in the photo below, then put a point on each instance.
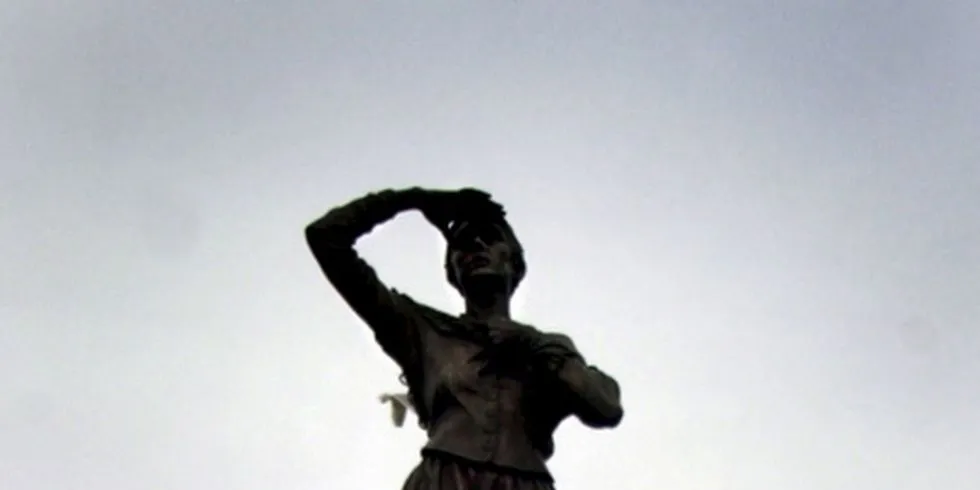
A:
(489, 391)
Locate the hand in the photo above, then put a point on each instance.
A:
(442, 208)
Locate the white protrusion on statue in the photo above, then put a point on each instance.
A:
(400, 405)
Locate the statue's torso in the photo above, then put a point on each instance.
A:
(503, 417)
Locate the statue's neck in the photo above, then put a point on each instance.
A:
(487, 301)
(487, 312)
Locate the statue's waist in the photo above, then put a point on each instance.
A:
(487, 440)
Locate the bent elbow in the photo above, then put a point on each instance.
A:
(323, 244)
(314, 232)
(613, 417)
(605, 417)
(323, 236)
(317, 243)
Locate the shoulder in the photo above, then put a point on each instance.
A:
(559, 339)
(420, 311)
(551, 338)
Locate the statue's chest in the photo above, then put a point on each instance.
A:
(451, 365)
(458, 367)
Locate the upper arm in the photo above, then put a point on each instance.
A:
(592, 395)
(389, 314)
(597, 401)
(582, 391)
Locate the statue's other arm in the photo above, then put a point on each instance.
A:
(331, 239)
(593, 395)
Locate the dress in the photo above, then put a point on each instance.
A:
(489, 417)
(448, 473)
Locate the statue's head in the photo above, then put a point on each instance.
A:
(484, 256)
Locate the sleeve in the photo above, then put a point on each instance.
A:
(591, 395)
(388, 313)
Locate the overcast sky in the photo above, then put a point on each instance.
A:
(762, 217)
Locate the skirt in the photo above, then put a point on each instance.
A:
(443, 472)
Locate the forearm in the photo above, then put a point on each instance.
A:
(593, 396)
(331, 239)
(340, 227)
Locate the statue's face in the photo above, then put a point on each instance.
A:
(481, 252)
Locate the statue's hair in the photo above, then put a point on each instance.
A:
(516, 255)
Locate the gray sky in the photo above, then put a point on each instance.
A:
(764, 220)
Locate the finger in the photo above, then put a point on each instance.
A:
(485, 209)
(492, 206)
(476, 201)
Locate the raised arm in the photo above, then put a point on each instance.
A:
(593, 396)
(331, 239)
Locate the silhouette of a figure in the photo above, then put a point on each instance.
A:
(488, 390)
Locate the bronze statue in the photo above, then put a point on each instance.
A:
(489, 391)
